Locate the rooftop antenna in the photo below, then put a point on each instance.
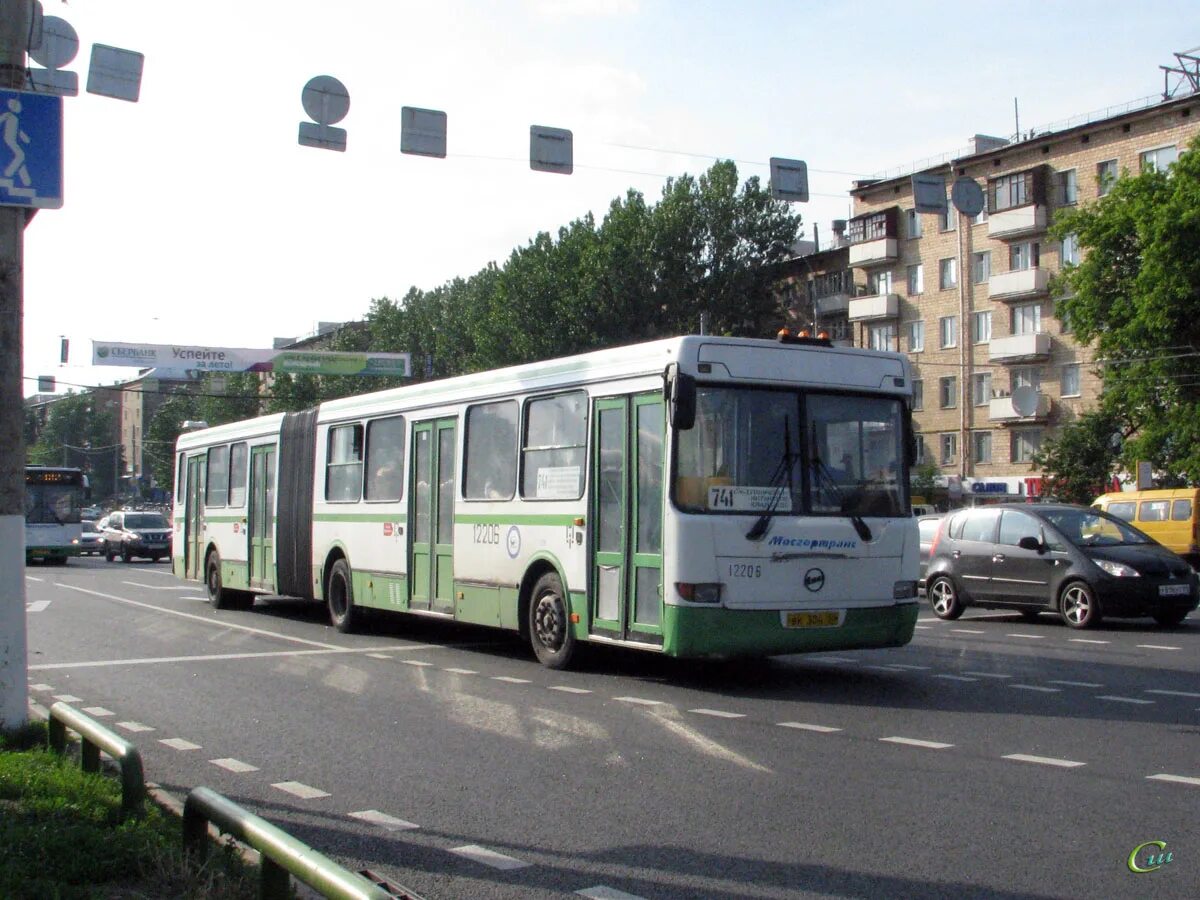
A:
(1187, 72)
(1017, 117)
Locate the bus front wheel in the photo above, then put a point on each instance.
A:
(550, 630)
(219, 596)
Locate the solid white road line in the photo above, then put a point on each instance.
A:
(718, 713)
(297, 789)
(1178, 779)
(234, 765)
(914, 742)
(179, 744)
(805, 726)
(489, 857)
(383, 820)
(1044, 760)
(212, 657)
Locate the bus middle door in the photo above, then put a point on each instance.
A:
(261, 530)
(193, 524)
(431, 573)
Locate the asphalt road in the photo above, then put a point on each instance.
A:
(991, 758)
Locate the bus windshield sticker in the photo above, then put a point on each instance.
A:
(558, 482)
(736, 498)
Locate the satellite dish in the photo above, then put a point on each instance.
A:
(325, 99)
(967, 197)
(1025, 400)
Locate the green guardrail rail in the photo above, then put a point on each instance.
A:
(93, 738)
(282, 854)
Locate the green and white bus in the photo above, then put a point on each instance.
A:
(698, 496)
(54, 496)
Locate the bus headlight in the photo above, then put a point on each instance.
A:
(904, 590)
(699, 593)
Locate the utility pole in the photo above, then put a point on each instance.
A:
(15, 16)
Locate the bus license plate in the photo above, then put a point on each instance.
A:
(822, 619)
(1173, 590)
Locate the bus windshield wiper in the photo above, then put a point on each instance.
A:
(781, 477)
(856, 520)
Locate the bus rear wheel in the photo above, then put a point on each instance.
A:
(343, 614)
(550, 630)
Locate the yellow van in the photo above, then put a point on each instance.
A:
(1171, 517)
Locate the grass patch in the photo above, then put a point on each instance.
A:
(63, 838)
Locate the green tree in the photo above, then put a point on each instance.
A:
(80, 431)
(1078, 461)
(1136, 298)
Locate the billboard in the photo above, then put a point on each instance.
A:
(242, 359)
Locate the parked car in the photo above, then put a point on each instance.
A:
(927, 526)
(1081, 563)
(129, 534)
(91, 541)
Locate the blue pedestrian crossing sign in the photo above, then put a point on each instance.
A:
(31, 150)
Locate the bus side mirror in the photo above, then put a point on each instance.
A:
(681, 397)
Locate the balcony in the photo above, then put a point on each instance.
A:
(874, 253)
(1001, 409)
(1021, 284)
(1019, 348)
(1017, 222)
(832, 304)
(881, 306)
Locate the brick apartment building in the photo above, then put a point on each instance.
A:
(968, 298)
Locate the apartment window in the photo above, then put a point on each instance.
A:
(880, 282)
(981, 327)
(1026, 376)
(981, 267)
(981, 217)
(1068, 191)
(1070, 250)
(881, 337)
(912, 221)
(1009, 191)
(1070, 380)
(948, 218)
(916, 280)
(949, 454)
(948, 392)
(1159, 158)
(920, 442)
(1025, 443)
(1024, 255)
(948, 331)
(1106, 174)
(947, 273)
(1026, 318)
(916, 336)
(918, 398)
(981, 388)
(982, 446)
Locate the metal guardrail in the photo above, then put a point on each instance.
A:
(282, 854)
(94, 737)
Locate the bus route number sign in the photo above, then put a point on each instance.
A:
(735, 498)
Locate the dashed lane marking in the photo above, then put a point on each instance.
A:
(1044, 760)
(717, 713)
(155, 587)
(210, 657)
(1032, 637)
(640, 700)
(968, 631)
(956, 677)
(36, 605)
(234, 765)
(134, 727)
(1178, 779)
(378, 656)
(489, 857)
(420, 663)
(66, 698)
(914, 742)
(1134, 700)
(1082, 684)
(987, 674)
(878, 668)
(603, 892)
(1171, 693)
(911, 667)
(805, 726)
(1087, 641)
(98, 711)
(1157, 647)
(31, 578)
(383, 820)
(567, 689)
(179, 744)
(1035, 687)
(508, 679)
(298, 789)
(40, 687)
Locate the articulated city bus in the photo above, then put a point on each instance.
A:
(53, 500)
(697, 496)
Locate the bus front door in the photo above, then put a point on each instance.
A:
(261, 528)
(431, 572)
(627, 507)
(193, 524)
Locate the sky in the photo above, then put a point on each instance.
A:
(194, 217)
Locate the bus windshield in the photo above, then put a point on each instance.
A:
(52, 504)
(756, 450)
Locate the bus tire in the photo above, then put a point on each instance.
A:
(343, 614)
(219, 596)
(550, 631)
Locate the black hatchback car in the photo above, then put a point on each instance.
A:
(1078, 562)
